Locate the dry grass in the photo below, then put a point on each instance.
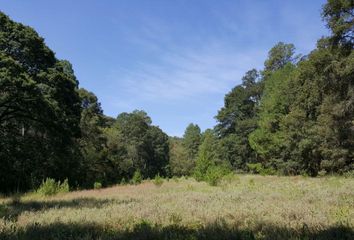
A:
(244, 207)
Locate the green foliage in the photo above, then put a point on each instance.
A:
(268, 139)
(255, 167)
(158, 181)
(268, 171)
(123, 181)
(215, 174)
(39, 111)
(51, 187)
(133, 143)
(259, 169)
(64, 186)
(191, 141)
(179, 163)
(206, 156)
(278, 57)
(48, 187)
(237, 119)
(92, 141)
(339, 17)
(349, 174)
(208, 167)
(137, 177)
(97, 185)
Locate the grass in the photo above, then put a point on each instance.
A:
(243, 207)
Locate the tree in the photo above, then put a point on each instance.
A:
(133, 143)
(339, 15)
(207, 155)
(268, 139)
(237, 119)
(209, 166)
(323, 111)
(191, 140)
(157, 163)
(39, 110)
(179, 164)
(93, 141)
(280, 55)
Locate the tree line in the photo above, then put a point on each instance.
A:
(49, 127)
(295, 116)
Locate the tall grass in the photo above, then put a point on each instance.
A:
(239, 207)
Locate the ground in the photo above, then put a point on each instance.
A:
(241, 207)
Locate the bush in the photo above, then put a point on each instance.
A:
(123, 181)
(349, 174)
(64, 187)
(137, 177)
(259, 169)
(268, 171)
(97, 185)
(254, 167)
(51, 187)
(215, 174)
(289, 168)
(158, 181)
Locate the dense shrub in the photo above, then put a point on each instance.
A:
(349, 174)
(51, 187)
(254, 167)
(268, 171)
(259, 169)
(215, 174)
(137, 177)
(97, 185)
(123, 181)
(158, 181)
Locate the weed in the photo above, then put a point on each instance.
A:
(158, 181)
(97, 185)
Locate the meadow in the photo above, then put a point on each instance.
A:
(240, 207)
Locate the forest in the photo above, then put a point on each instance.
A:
(278, 164)
(293, 117)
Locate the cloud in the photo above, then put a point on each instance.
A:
(183, 74)
(178, 67)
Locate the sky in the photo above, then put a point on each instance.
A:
(174, 59)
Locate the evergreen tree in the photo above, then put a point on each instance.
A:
(39, 111)
(191, 140)
(237, 119)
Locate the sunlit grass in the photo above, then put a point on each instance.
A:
(245, 206)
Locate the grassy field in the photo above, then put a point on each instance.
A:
(242, 207)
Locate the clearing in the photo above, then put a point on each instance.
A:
(242, 207)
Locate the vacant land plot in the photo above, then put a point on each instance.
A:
(242, 207)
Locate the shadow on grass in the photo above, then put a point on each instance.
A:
(146, 231)
(13, 209)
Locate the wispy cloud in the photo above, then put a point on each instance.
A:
(181, 74)
(180, 69)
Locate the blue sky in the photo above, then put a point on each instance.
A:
(175, 59)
